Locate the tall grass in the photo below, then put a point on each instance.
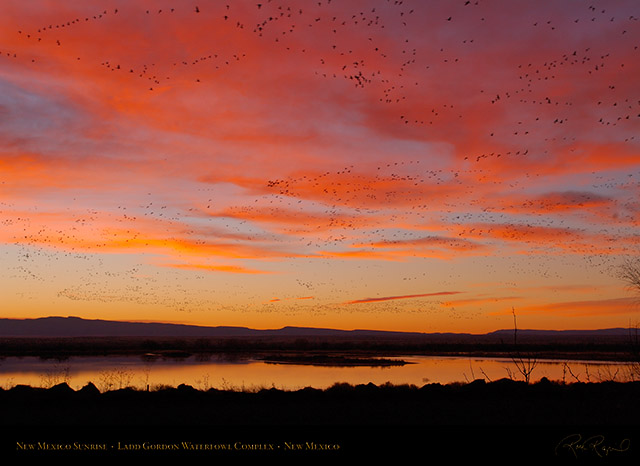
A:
(114, 379)
(525, 363)
(56, 375)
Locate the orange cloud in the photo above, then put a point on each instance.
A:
(29, 174)
(536, 238)
(449, 243)
(358, 254)
(277, 300)
(561, 202)
(345, 187)
(301, 221)
(390, 298)
(102, 232)
(596, 307)
(212, 268)
(478, 301)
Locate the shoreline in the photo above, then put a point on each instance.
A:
(611, 349)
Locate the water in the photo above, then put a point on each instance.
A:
(109, 373)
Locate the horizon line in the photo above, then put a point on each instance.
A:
(313, 328)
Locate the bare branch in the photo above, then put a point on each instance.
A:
(525, 365)
(630, 273)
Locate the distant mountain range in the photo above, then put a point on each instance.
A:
(78, 327)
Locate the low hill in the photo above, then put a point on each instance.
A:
(78, 327)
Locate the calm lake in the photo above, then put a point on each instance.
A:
(109, 373)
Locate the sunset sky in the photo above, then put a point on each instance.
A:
(395, 165)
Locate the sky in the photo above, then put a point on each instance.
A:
(427, 166)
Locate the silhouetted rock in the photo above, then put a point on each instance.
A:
(309, 390)
(270, 393)
(186, 388)
(340, 388)
(368, 388)
(23, 390)
(61, 389)
(507, 384)
(89, 390)
(122, 394)
(477, 383)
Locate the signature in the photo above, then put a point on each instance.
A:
(595, 444)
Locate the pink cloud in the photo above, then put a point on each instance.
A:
(412, 296)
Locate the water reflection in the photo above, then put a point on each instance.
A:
(247, 374)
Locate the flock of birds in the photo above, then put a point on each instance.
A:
(355, 46)
(376, 50)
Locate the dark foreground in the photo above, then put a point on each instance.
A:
(478, 403)
(479, 419)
